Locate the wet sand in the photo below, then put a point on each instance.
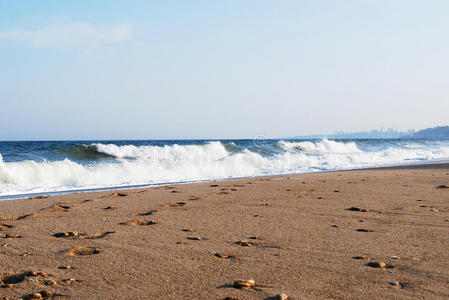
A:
(310, 236)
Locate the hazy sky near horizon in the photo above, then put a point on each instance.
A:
(220, 69)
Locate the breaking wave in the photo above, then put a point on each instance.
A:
(147, 164)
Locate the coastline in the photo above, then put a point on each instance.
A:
(304, 238)
(440, 164)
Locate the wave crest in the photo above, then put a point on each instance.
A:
(323, 146)
(211, 160)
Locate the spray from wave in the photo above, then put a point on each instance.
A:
(112, 165)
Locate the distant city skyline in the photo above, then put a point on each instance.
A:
(76, 70)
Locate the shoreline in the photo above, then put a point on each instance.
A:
(294, 234)
(440, 164)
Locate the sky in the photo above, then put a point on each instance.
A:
(163, 69)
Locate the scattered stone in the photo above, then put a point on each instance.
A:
(222, 193)
(187, 230)
(434, 210)
(353, 208)
(65, 267)
(376, 264)
(223, 255)
(35, 296)
(194, 238)
(12, 236)
(97, 235)
(254, 238)
(138, 222)
(50, 282)
(166, 187)
(25, 254)
(67, 234)
(36, 274)
(5, 226)
(244, 243)
(394, 283)
(443, 186)
(281, 297)
(68, 281)
(82, 251)
(334, 225)
(244, 283)
(110, 207)
(393, 257)
(336, 191)
(358, 257)
(364, 230)
(40, 295)
(59, 206)
(213, 185)
(175, 204)
(120, 194)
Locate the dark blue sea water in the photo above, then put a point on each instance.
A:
(56, 166)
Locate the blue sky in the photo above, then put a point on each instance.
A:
(220, 69)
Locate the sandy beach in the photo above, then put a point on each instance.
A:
(363, 234)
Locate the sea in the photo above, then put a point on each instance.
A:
(30, 168)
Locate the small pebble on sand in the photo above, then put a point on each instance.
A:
(281, 297)
(223, 255)
(375, 264)
(394, 283)
(244, 283)
(244, 243)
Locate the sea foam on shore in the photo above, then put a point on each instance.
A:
(62, 166)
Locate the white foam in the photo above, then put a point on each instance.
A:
(178, 163)
(324, 146)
